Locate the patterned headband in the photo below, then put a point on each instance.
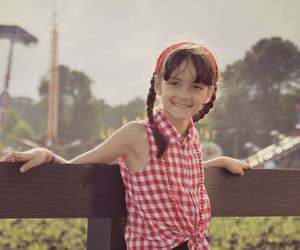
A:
(164, 54)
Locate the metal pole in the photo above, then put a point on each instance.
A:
(53, 92)
(7, 77)
(6, 84)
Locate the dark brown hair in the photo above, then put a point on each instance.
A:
(206, 72)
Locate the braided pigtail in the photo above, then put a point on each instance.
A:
(206, 107)
(160, 141)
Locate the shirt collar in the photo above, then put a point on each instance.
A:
(170, 132)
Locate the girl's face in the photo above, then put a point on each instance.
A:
(181, 97)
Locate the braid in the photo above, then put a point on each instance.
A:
(206, 107)
(150, 101)
(160, 141)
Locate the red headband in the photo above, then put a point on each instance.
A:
(214, 63)
(164, 54)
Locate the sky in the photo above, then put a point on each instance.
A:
(116, 43)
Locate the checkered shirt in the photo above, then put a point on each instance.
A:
(167, 203)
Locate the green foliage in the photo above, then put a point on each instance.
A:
(268, 233)
(16, 128)
(33, 113)
(43, 234)
(113, 117)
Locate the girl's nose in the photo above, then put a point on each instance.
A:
(183, 93)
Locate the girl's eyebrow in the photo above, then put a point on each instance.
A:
(175, 78)
(179, 79)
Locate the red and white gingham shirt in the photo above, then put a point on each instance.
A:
(167, 203)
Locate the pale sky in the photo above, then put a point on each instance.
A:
(116, 42)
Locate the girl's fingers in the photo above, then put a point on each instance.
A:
(15, 156)
(6, 157)
(31, 159)
(240, 171)
(246, 165)
(26, 167)
(249, 166)
(30, 164)
(11, 157)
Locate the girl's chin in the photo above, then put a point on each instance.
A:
(181, 113)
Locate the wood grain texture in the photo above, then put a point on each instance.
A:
(61, 191)
(260, 192)
(97, 191)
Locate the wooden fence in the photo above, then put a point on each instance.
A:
(96, 192)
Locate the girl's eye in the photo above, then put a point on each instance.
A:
(173, 83)
(197, 87)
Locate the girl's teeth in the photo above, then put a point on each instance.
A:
(181, 105)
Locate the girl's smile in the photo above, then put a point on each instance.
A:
(181, 105)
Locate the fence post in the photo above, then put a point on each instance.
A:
(106, 233)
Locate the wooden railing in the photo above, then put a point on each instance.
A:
(96, 192)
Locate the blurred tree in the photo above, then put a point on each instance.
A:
(16, 128)
(33, 113)
(78, 110)
(115, 116)
(81, 116)
(271, 69)
(259, 92)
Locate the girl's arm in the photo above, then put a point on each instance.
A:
(232, 165)
(121, 143)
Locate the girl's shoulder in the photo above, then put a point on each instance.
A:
(137, 144)
(136, 126)
(135, 132)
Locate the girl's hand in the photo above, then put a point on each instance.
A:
(236, 166)
(33, 158)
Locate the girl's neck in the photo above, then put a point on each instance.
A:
(181, 126)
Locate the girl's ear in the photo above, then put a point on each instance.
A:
(210, 91)
(157, 85)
